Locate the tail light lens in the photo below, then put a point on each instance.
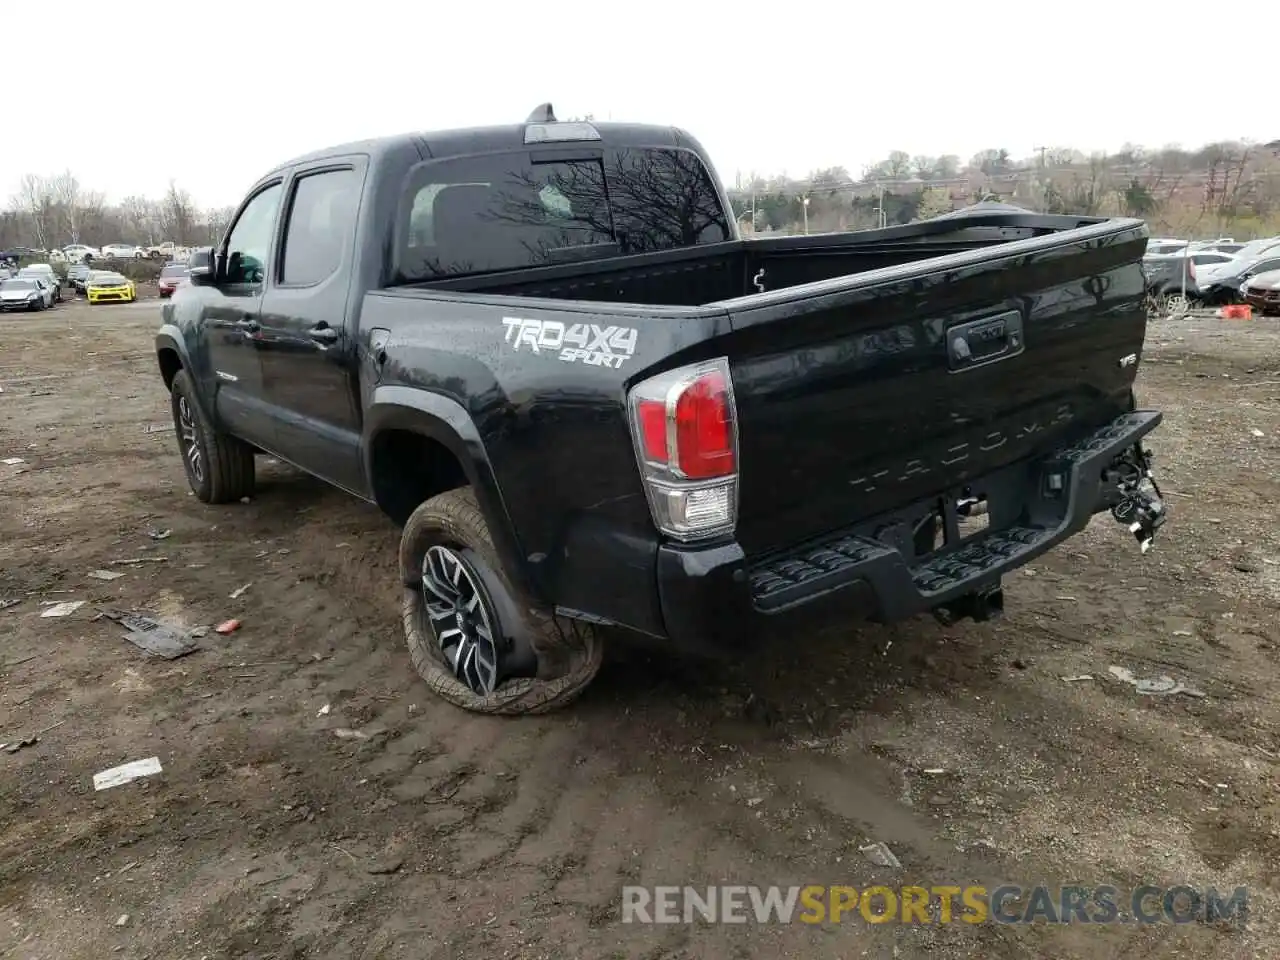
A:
(685, 428)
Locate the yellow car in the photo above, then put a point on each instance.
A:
(103, 286)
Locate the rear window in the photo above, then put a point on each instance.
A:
(175, 270)
(17, 285)
(505, 212)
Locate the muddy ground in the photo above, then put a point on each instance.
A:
(442, 835)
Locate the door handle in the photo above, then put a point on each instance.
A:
(323, 334)
(248, 326)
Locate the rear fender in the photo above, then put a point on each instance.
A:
(445, 420)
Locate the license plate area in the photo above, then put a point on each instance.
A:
(948, 522)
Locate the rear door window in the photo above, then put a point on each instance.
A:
(506, 212)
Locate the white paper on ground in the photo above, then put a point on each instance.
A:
(126, 772)
(62, 609)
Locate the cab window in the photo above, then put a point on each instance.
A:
(250, 239)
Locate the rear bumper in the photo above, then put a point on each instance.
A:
(714, 598)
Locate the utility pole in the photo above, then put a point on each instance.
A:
(753, 201)
(1044, 193)
(804, 206)
(881, 219)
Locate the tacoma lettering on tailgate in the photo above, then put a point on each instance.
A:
(958, 453)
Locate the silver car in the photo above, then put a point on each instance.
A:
(25, 293)
(46, 273)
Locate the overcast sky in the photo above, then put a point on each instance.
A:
(239, 87)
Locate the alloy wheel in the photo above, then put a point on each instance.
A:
(190, 440)
(461, 619)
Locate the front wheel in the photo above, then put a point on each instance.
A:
(219, 467)
(476, 641)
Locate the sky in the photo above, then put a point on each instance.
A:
(213, 95)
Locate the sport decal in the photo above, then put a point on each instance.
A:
(573, 343)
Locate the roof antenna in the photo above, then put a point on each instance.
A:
(542, 114)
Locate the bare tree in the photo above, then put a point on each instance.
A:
(35, 201)
(67, 196)
(217, 221)
(141, 218)
(178, 214)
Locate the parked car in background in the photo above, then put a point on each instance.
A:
(25, 293)
(165, 251)
(1257, 248)
(1160, 246)
(1222, 283)
(109, 287)
(172, 276)
(123, 251)
(1165, 277)
(1262, 292)
(80, 253)
(45, 272)
(77, 274)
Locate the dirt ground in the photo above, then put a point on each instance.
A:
(440, 834)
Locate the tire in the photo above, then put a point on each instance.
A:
(222, 471)
(555, 658)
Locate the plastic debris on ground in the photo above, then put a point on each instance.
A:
(1162, 686)
(346, 733)
(6, 604)
(880, 855)
(104, 574)
(1077, 679)
(159, 534)
(62, 609)
(126, 773)
(227, 626)
(164, 640)
(239, 592)
(12, 461)
(13, 746)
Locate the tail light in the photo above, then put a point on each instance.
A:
(685, 429)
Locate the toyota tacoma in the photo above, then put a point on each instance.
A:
(544, 351)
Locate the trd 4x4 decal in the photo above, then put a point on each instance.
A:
(573, 343)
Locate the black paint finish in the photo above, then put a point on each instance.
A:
(849, 402)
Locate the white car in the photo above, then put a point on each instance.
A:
(123, 251)
(79, 253)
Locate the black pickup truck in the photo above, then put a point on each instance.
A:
(544, 351)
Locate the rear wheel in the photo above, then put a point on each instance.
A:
(478, 643)
(219, 467)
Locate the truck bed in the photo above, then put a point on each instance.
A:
(698, 276)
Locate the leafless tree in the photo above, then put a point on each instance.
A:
(216, 222)
(68, 197)
(35, 202)
(179, 214)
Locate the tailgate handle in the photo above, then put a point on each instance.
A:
(984, 341)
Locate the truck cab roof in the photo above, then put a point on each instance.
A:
(464, 141)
